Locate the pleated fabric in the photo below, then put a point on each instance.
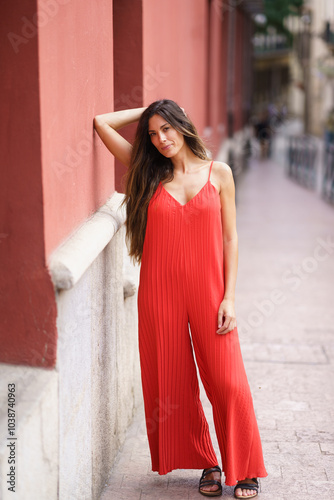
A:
(180, 289)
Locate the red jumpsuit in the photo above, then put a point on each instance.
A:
(181, 285)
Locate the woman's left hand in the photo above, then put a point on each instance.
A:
(226, 317)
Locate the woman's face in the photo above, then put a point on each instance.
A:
(164, 137)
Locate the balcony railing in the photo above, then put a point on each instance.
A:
(270, 44)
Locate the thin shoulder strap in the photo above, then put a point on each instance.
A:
(210, 170)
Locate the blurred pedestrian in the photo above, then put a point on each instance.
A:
(263, 133)
(181, 227)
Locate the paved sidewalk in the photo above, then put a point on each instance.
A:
(285, 315)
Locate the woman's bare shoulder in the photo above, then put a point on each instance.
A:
(222, 172)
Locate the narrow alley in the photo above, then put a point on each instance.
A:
(285, 314)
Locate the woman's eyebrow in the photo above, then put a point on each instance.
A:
(162, 126)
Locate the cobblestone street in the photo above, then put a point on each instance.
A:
(285, 315)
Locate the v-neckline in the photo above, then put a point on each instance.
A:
(191, 199)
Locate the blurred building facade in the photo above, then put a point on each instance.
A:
(322, 64)
(272, 77)
(312, 68)
(68, 291)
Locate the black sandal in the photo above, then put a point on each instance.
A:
(210, 482)
(248, 486)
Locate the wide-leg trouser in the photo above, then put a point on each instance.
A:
(177, 430)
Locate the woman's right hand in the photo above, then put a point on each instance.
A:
(107, 125)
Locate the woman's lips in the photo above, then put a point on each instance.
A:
(166, 147)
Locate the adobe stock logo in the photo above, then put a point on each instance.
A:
(292, 279)
(163, 411)
(73, 155)
(152, 78)
(47, 10)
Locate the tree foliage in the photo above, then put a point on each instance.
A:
(277, 10)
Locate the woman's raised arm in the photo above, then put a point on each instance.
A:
(107, 125)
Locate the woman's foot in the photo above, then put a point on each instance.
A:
(210, 482)
(245, 492)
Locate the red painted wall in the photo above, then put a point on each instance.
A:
(175, 55)
(58, 73)
(238, 79)
(216, 76)
(178, 53)
(224, 68)
(27, 306)
(128, 68)
(76, 83)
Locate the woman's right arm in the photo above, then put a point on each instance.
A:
(107, 125)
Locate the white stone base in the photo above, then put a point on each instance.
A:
(98, 359)
(36, 446)
(72, 420)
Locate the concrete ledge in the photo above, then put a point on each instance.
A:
(71, 259)
(36, 420)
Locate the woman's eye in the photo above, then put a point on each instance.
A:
(166, 128)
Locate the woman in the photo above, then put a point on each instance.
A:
(181, 227)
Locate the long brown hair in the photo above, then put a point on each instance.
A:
(148, 167)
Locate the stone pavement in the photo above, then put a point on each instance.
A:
(285, 315)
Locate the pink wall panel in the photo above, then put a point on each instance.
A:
(238, 94)
(76, 83)
(215, 76)
(175, 55)
(27, 304)
(58, 74)
(128, 68)
(224, 69)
